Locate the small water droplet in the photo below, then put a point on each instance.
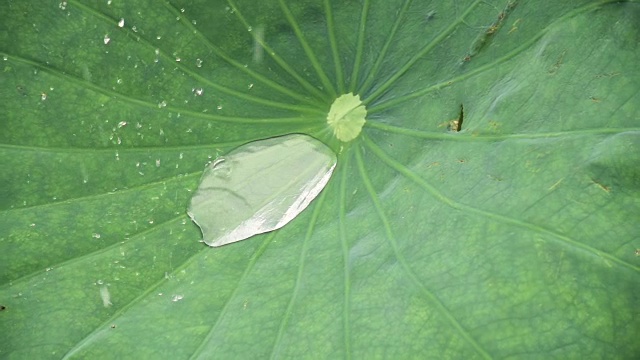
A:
(121, 23)
(106, 39)
(95, 236)
(219, 107)
(430, 15)
(162, 104)
(198, 63)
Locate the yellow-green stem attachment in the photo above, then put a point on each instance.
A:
(347, 116)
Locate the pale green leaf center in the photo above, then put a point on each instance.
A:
(347, 116)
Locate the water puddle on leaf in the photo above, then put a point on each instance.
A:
(259, 187)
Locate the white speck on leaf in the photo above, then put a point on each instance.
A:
(105, 296)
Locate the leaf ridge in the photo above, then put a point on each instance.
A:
(296, 289)
(489, 66)
(419, 54)
(146, 104)
(471, 137)
(560, 239)
(257, 76)
(97, 252)
(360, 46)
(334, 46)
(194, 75)
(407, 269)
(383, 53)
(283, 64)
(206, 339)
(104, 326)
(346, 321)
(136, 188)
(307, 49)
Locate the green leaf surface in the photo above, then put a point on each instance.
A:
(514, 237)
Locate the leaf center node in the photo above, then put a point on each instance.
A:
(347, 116)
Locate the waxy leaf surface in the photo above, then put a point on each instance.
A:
(514, 237)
